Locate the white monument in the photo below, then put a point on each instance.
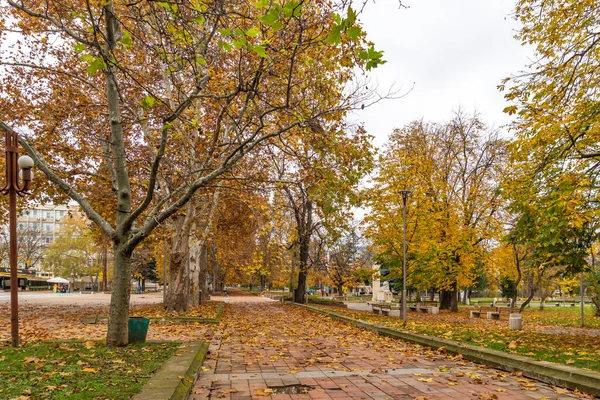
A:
(376, 283)
(381, 292)
(385, 294)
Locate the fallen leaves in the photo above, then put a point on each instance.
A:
(560, 390)
(488, 396)
(264, 392)
(546, 334)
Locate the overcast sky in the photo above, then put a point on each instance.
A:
(450, 52)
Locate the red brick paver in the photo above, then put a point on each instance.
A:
(260, 347)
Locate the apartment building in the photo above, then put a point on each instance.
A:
(43, 221)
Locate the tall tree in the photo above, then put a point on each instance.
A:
(346, 257)
(453, 170)
(74, 251)
(112, 96)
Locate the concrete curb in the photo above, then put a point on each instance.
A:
(177, 376)
(544, 371)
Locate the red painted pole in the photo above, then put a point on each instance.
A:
(14, 282)
(12, 189)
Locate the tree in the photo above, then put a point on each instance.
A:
(118, 98)
(74, 250)
(508, 288)
(320, 180)
(453, 170)
(593, 278)
(143, 265)
(554, 227)
(555, 99)
(31, 244)
(346, 256)
(557, 138)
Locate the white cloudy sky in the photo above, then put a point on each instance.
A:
(451, 52)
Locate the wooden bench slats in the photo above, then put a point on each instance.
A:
(494, 312)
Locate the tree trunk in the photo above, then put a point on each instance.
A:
(218, 279)
(304, 234)
(454, 301)
(195, 252)
(531, 293)
(543, 296)
(340, 289)
(198, 256)
(105, 269)
(518, 266)
(203, 274)
(301, 290)
(177, 295)
(118, 316)
(445, 300)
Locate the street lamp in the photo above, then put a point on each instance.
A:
(12, 188)
(405, 194)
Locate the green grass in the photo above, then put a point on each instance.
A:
(78, 370)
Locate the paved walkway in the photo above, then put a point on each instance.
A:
(84, 299)
(269, 349)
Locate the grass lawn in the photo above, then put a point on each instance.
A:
(547, 335)
(78, 370)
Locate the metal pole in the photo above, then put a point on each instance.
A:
(404, 268)
(581, 291)
(165, 273)
(405, 194)
(14, 281)
(12, 188)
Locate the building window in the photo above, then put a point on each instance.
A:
(48, 214)
(47, 240)
(34, 213)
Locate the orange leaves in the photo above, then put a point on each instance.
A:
(264, 392)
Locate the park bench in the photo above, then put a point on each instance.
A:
(483, 310)
(503, 311)
(381, 308)
(425, 307)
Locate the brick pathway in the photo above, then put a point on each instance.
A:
(260, 347)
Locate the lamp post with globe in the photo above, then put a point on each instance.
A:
(12, 188)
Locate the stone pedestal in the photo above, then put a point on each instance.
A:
(515, 322)
(376, 283)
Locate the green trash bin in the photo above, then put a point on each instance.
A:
(138, 329)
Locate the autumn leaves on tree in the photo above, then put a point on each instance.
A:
(129, 109)
(452, 170)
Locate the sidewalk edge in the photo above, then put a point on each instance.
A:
(177, 376)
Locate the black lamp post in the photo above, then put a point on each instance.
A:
(405, 194)
(12, 188)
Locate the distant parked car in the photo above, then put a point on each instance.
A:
(557, 292)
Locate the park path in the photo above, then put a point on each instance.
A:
(268, 350)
